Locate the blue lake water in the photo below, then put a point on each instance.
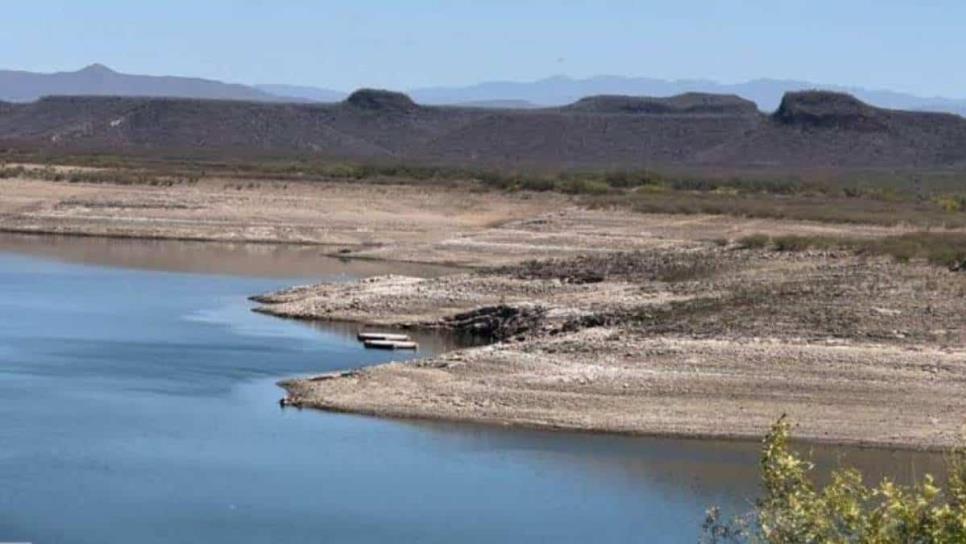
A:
(139, 405)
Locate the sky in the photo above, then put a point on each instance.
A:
(902, 45)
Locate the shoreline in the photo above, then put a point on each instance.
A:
(889, 393)
(752, 438)
(603, 320)
(291, 386)
(255, 242)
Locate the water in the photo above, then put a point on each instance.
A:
(139, 405)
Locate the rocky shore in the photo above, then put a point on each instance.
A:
(707, 342)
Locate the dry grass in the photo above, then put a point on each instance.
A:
(634, 267)
(116, 176)
(941, 248)
(804, 207)
(921, 199)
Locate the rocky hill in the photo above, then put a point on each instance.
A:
(688, 103)
(810, 129)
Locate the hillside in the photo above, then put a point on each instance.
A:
(99, 80)
(810, 129)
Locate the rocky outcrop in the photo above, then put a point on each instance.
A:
(689, 103)
(499, 322)
(380, 100)
(829, 110)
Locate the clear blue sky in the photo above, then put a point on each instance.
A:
(913, 46)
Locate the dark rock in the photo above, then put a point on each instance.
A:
(380, 100)
(498, 323)
(828, 110)
(688, 103)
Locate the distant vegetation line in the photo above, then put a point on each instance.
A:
(940, 248)
(925, 199)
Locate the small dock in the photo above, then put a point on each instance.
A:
(387, 341)
(389, 337)
(390, 344)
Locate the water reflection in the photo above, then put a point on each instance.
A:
(430, 341)
(241, 259)
(727, 469)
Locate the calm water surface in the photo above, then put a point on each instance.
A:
(139, 405)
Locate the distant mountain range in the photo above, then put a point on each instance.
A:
(303, 93)
(767, 93)
(97, 79)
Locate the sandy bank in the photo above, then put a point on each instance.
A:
(393, 222)
(604, 380)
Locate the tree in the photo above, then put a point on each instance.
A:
(794, 511)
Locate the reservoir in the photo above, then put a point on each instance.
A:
(138, 404)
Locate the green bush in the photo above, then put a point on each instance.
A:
(951, 203)
(793, 510)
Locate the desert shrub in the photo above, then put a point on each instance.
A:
(951, 203)
(802, 243)
(631, 179)
(537, 184)
(754, 241)
(583, 186)
(117, 177)
(666, 198)
(8, 172)
(735, 185)
(940, 248)
(791, 243)
(794, 510)
(651, 189)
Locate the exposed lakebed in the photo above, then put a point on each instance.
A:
(138, 404)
